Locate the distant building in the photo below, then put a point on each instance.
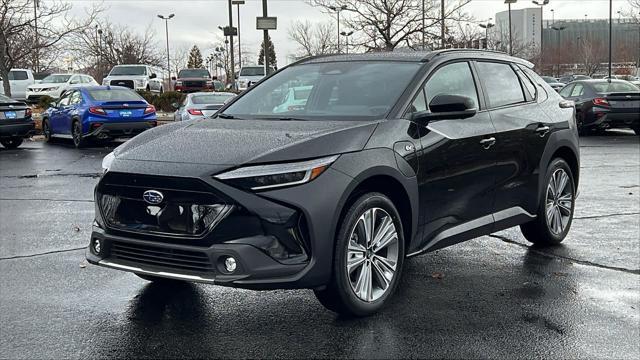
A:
(626, 33)
(525, 27)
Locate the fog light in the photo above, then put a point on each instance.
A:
(230, 264)
(97, 246)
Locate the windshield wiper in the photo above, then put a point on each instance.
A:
(226, 116)
(284, 118)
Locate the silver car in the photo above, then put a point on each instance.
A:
(200, 105)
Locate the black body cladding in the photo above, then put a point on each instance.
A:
(451, 178)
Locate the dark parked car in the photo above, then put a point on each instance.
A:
(193, 80)
(569, 78)
(15, 122)
(604, 104)
(553, 82)
(392, 155)
(98, 113)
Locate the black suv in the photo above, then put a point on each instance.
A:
(386, 156)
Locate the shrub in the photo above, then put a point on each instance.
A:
(45, 101)
(164, 101)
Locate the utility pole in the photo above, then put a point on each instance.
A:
(424, 35)
(346, 35)
(509, 2)
(265, 40)
(166, 28)
(233, 63)
(610, 34)
(338, 9)
(36, 60)
(541, 3)
(442, 28)
(238, 3)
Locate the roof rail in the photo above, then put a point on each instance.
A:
(435, 53)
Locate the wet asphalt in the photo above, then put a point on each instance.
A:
(492, 297)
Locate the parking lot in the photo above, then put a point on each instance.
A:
(491, 297)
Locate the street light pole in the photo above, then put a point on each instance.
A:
(231, 52)
(541, 3)
(166, 29)
(346, 35)
(424, 31)
(509, 2)
(36, 4)
(238, 3)
(487, 26)
(610, 34)
(442, 27)
(338, 9)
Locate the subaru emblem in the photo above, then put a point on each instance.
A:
(153, 197)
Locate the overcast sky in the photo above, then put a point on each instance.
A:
(197, 21)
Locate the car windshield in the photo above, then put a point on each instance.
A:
(354, 90)
(549, 79)
(211, 98)
(614, 86)
(128, 70)
(56, 79)
(194, 73)
(252, 71)
(581, 77)
(114, 95)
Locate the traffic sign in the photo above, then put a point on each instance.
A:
(267, 23)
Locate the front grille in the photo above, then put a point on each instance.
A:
(188, 208)
(161, 257)
(125, 83)
(194, 83)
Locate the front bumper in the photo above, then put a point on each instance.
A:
(279, 239)
(21, 130)
(120, 130)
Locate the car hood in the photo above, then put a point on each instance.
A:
(46, 85)
(229, 143)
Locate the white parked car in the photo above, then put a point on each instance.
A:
(200, 105)
(136, 77)
(19, 80)
(250, 75)
(56, 84)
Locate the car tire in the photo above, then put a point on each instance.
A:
(11, 143)
(76, 134)
(46, 130)
(556, 208)
(158, 279)
(365, 273)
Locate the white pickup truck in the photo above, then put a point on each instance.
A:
(19, 80)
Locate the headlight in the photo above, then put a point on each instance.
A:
(52, 88)
(263, 177)
(139, 83)
(105, 82)
(106, 162)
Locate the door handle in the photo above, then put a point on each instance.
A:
(542, 130)
(487, 143)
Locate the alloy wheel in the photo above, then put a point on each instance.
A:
(559, 201)
(372, 254)
(77, 133)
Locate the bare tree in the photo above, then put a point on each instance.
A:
(101, 47)
(313, 38)
(21, 42)
(592, 54)
(179, 58)
(387, 24)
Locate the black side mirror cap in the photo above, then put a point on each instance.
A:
(153, 76)
(447, 107)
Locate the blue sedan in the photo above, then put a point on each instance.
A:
(99, 112)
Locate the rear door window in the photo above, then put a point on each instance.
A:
(566, 91)
(75, 98)
(578, 90)
(501, 84)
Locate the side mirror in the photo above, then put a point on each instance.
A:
(175, 105)
(447, 107)
(153, 76)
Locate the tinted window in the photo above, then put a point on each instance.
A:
(529, 87)
(64, 100)
(419, 103)
(566, 91)
(75, 98)
(501, 83)
(128, 70)
(346, 90)
(56, 79)
(114, 95)
(578, 90)
(211, 98)
(252, 71)
(18, 75)
(538, 81)
(614, 86)
(194, 73)
(452, 79)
